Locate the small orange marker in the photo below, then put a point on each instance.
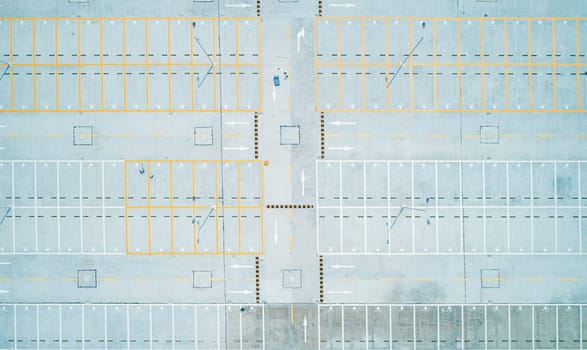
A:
(266, 163)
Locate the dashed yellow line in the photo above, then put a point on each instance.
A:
(438, 136)
(86, 136)
(386, 279)
(581, 136)
(158, 135)
(365, 136)
(16, 136)
(216, 279)
(124, 136)
(251, 279)
(52, 136)
(348, 279)
(490, 279)
(400, 136)
(459, 279)
(35, 278)
(509, 136)
(143, 278)
(532, 279)
(107, 279)
(568, 279)
(423, 279)
(545, 136)
(331, 136)
(4, 278)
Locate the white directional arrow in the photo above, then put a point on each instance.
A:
(303, 180)
(345, 148)
(339, 292)
(237, 266)
(305, 329)
(347, 5)
(342, 266)
(241, 148)
(241, 5)
(301, 35)
(275, 232)
(231, 123)
(240, 292)
(338, 122)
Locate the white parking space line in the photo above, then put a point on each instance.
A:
(342, 325)
(195, 327)
(390, 330)
(81, 210)
(58, 208)
(556, 214)
(240, 328)
(507, 201)
(508, 205)
(484, 211)
(218, 326)
(128, 327)
(366, 327)
(531, 209)
(580, 211)
(150, 326)
(105, 327)
(414, 324)
(13, 218)
(35, 191)
(103, 209)
(340, 205)
(365, 207)
(413, 205)
(263, 323)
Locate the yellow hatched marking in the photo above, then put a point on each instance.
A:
(411, 40)
(505, 60)
(55, 30)
(530, 106)
(146, 65)
(169, 62)
(481, 62)
(434, 62)
(339, 67)
(553, 70)
(79, 70)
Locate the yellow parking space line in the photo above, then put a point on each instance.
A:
(86, 136)
(350, 279)
(4, 278)
(532, 279)
(489, 279)
(69, 279)
(568, 279)
(509, 136)
(217, 279)
(581, 136)
(400, 136)
(545, 136)
(423, 279)
(364, 136)
(52, 136)
(252, 279)
(291, 313)
(16, 136)
(438, 136)
(471, 136)
(459, 279)
(232, 136)
(387, 279)
(331, 136)
(124, 136)
(35, 278)
(158, 135)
